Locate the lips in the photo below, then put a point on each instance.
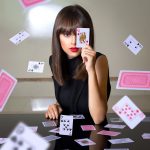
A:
(74, 49)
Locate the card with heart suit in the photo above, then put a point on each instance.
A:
(82, 37)
(128, 112)
(133, 80)
(7, 85)
(23, 138)
(66, 125)
(109, 133)
(85, 142)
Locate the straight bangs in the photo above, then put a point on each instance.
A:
(69, 25)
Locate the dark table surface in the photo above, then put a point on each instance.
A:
(9, 121)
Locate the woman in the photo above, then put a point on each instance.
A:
(80, 75)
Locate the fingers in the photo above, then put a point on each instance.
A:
(52, 112)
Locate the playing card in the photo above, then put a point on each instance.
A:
(85, 142)
(128, 112)
(116, 126)
(23, 138)
(147, 119)
(110, 133)
(88, 127)
(116, 120)
(49, 123)
(82, 37)
(35, 66)
(116, 149)
(51, 138)
(19, 37)
(34, 128)
(7, 84)
(121, 141)
(146, 135)
(56, 130)
(3, 140)
(66, 125)
(29, 3)
(132, 44)
(133, 80)
(78, 117)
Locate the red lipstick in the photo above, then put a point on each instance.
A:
(74, 49)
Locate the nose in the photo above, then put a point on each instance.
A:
(73, 39)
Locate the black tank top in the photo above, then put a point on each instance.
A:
(73, 96)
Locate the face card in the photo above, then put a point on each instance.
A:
(82, 37)
(23, 138)
(85, 142)
(35, 66)
(66, 125)
(49, 123)
(121, 141)
(56, 130)
(128, 112)
(133, 80)
(115, 126)
(109, 133)
(51, 138)
(78, 117)
(132, 44)
(7, 84)
(88, 127)
(19, 37)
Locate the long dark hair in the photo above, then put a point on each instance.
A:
(67, 21)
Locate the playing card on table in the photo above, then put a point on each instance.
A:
(82, 37)
(66, 125)
(35, 66)
(49, 123)
(7, 84)
(56, 130)
(85, 142)
(88, 127)
(146, 135)
(132, 44)
(51, 138)
(19, 37)
(110, 133)
(133, 80)
(23, 138)
(121, 141)
(78, 117)
(128, 112)
(117, 126)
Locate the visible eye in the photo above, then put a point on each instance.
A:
(67, 34)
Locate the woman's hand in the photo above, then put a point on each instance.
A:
(89, 58)
(53, 111)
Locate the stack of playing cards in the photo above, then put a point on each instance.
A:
(7, 84)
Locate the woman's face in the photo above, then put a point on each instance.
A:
(68, 44)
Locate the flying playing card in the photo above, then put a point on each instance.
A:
(49, 123)
(121, 141)
(56, 130)
(132, 44)
(19, 37)
(88, 127)
(146, 135)
(85, 142)
(116, 149)
(116, 120)
(51, 138)
(128, 112)
(3, 140)
(23, 138)
(110, 133)
(133, 80)
(35, 66)
(7, 84)
(116, 126)
(82, 37)
(66, 125)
